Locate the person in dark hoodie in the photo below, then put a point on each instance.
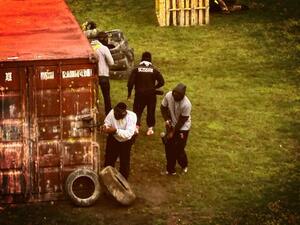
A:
(146, 79)
(176, 111)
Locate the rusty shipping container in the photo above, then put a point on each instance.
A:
(48, 87)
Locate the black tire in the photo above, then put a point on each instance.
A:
(119, 75)
(117, 185)
(121, 64)
(129, 54)
(115, 49)
(79, 185)
(118, 55)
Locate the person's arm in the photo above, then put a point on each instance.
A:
(128, 132)
(160, 79)
(181, 121)
(185, 114)
(165, 112)
(108, 57)
(108, 123)
(130, 83)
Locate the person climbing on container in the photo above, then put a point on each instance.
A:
(120, 125)
(226, 6)
(176, 111)
(105, 60)
(146, 80)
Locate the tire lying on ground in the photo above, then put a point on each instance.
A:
(117, 185)
(83, 187)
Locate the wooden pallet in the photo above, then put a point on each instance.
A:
(182, 12)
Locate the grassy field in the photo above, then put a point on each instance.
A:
(242, 72)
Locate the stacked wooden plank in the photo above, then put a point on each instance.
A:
(182, 12)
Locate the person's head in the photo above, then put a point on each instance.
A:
(91, 25)
(146, 56)
(178, 92)
(103, 37)
(120, 111)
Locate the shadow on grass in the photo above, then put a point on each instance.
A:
(105, 211)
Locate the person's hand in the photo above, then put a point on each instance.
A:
(170, 134)
(109, 130)
(168, 123)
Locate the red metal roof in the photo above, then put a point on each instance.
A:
(40, 30)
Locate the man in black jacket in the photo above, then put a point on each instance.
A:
(145, 78)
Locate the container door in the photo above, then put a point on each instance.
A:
(14, 136)
(78, 111)
(62, 105)
(45, 108)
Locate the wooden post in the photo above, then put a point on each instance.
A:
(167, 12)
(181, 12)
(207, 12)
(193, 12)
(201, 13)
(174, 12)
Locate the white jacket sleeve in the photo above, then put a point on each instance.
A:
(128, 132)
(108, 57)
(108, 121)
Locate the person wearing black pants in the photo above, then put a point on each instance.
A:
(140, 102)
(176, 111)
(175, 151)
(118, 149)
(105, 89)
(120, 125)
(105, 60)
(146, 79)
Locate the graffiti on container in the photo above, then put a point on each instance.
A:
(12, 182)
(12, 110)
(10, 132)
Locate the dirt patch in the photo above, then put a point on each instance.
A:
(154, 194)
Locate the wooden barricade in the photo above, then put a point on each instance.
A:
(182, 12)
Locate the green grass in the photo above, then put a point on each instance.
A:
(242, 73)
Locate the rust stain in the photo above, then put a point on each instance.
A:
(44, 133)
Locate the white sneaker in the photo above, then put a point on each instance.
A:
(184, 170)
(172, 174)
(150, 131)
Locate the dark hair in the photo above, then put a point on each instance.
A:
(146, 56)
(102, 37)
(91, 25)
(121, 106)
(120, 110)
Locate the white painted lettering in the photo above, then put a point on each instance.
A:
(145, 70)
(77, 73)
(8, 76)
(47, 75)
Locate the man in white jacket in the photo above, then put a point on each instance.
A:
(120, 125)
(105, 60)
